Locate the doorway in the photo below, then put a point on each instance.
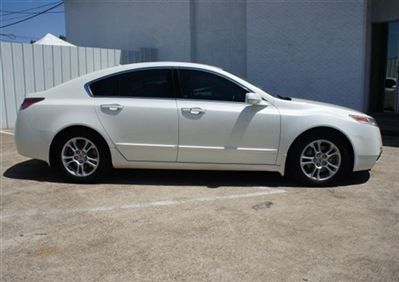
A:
(384, 96)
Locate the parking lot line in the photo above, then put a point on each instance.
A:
(6, 132)
(142, 205)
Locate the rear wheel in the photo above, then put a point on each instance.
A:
(319, 159)
(81, 157)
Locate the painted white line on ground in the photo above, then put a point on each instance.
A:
(6, 132)
(141, 205)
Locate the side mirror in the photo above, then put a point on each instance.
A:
(255, 99)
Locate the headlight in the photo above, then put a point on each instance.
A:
(364, 119)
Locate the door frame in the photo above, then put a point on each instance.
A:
(379, 43)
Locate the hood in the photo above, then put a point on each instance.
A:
(325, 105)
(309, 106)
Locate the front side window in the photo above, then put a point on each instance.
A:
(152, 83)
(196, 84)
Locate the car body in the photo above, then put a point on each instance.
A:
(208, 119)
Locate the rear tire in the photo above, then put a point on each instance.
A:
(81, 156)
(319, 159)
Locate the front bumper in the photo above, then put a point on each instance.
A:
(367, 145)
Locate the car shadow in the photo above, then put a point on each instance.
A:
(39, 171)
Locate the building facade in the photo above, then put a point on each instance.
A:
(321, 50)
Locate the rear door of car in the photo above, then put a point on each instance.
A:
(138, 110)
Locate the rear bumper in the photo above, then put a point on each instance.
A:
(31, 142)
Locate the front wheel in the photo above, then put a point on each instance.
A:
(319, 160)
(81, 157)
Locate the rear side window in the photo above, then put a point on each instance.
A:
(154, 83)
(203, 85)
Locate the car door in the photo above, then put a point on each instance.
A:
(217, 126)
(138, 111)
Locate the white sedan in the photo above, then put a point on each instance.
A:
(170, 115)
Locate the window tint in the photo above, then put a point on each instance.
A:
(207, 86)
(155, 83)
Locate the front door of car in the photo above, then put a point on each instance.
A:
(217, 126)
(138, 111)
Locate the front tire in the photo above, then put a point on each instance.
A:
(319, 159)
(81, 157)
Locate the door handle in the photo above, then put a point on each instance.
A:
(112, 107)
(194, 111)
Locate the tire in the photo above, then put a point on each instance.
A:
(319, 158)
(81, 156)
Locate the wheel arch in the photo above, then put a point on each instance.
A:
(320, 129)
(75, 128)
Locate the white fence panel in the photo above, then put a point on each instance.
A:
(38, 67)
(3, 116)
(89, 60)
(66, 64)
(97, 59)
(74, 63)
(27, 68)
(82, 63)
(48, 67)
(8, 82)
(57, 65)
(17, 58)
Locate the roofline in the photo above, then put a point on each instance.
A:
(172, 63)
(139, 65)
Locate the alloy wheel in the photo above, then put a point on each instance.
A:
(80, 157)
(320, 160)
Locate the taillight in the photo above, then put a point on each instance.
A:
(29, 102)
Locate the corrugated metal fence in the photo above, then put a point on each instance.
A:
(26, 68)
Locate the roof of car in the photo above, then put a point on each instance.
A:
(166, 64)
(127, 67)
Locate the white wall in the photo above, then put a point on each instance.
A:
(308, 49)
(131, 25)
(219, 32)
(300, 48)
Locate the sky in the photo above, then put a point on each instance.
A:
(32, 29)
